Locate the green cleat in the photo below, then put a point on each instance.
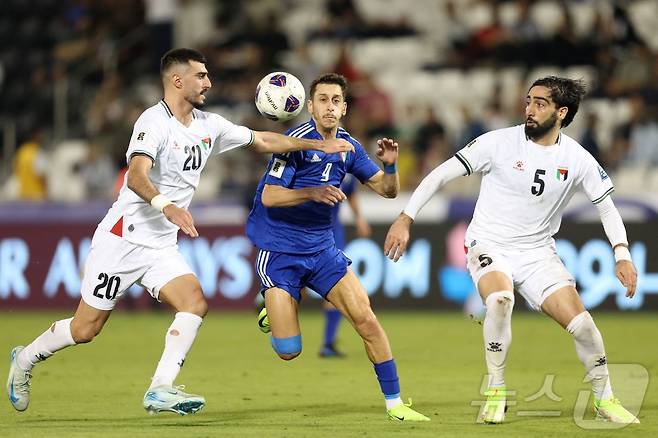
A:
(403, 412)
(611, 410)
(493, 411)
(263, 321)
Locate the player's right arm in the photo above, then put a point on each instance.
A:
(271, 142)
(278, 196)
(397, 238)
(140, 183)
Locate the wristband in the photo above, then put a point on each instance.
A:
(622, 253)
(391, 168)
(159, 202)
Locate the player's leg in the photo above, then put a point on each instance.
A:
(492, 277)
(566, 308)
(185, 296)
(282, 308)
(332, 317)
(280, 275)
(81, 328)
(351, 299)
(102, 285)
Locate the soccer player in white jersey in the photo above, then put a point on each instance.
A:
(530, 173)
(136, 241)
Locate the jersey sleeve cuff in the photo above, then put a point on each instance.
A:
(603, 196)
(465, 163)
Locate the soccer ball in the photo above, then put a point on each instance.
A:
(280, 96)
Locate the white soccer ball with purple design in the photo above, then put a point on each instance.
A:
(280, 96)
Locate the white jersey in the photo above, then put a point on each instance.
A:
(525, 186)
(179, 154)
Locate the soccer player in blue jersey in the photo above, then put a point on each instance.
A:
(291, 225)
(332, 316)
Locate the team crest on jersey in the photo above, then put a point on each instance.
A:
(562, 173)
(604, 175)
(205, 142)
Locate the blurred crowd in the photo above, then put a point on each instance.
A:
(75, 75)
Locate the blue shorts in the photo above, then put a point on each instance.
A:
(292, 272)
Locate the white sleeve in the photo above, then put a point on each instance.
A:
(612, 222)
(477, 155)
(230, 135)
(449, 170)
(595, 182)
(147, 137)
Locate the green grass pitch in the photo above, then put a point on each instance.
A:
(96, 390)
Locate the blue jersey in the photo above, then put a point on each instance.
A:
(348, 186)
(308, 227)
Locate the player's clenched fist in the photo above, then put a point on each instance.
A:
(397, 238)
(182, 218)
(329, 195)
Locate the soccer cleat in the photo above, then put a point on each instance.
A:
(403, 412)
(18, 382)
(330, 351)
(172, 398)
(493, 411)
(263, 321)
(611, 410)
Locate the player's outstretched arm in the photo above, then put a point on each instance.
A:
(397, 238)
(271, 143)
(386, 183)
(277, 196)
(616, 232)
(140, 183)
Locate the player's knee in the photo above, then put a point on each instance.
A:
(287, 348)
(83, 334)
(500, 302)
(196, 303)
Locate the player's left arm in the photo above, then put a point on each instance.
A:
(270, 143)
(387, 182)
(140, 183)
(616, 232)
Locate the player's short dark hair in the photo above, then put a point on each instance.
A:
(330, 78)
(180, 56)
(564, 92)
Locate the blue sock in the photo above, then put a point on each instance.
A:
(387, 374)
(332, 320)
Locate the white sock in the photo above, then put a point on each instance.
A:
(497, 330)
(178, 341)
(393, 402)
(591, 352)
(56, 338)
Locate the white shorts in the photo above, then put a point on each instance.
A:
(535, 273)
(114, 264)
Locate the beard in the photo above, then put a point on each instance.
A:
(197, 102)
(540, 129)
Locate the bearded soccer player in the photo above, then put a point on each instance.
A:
(136, 241)
(530, 172)
(291, 224)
